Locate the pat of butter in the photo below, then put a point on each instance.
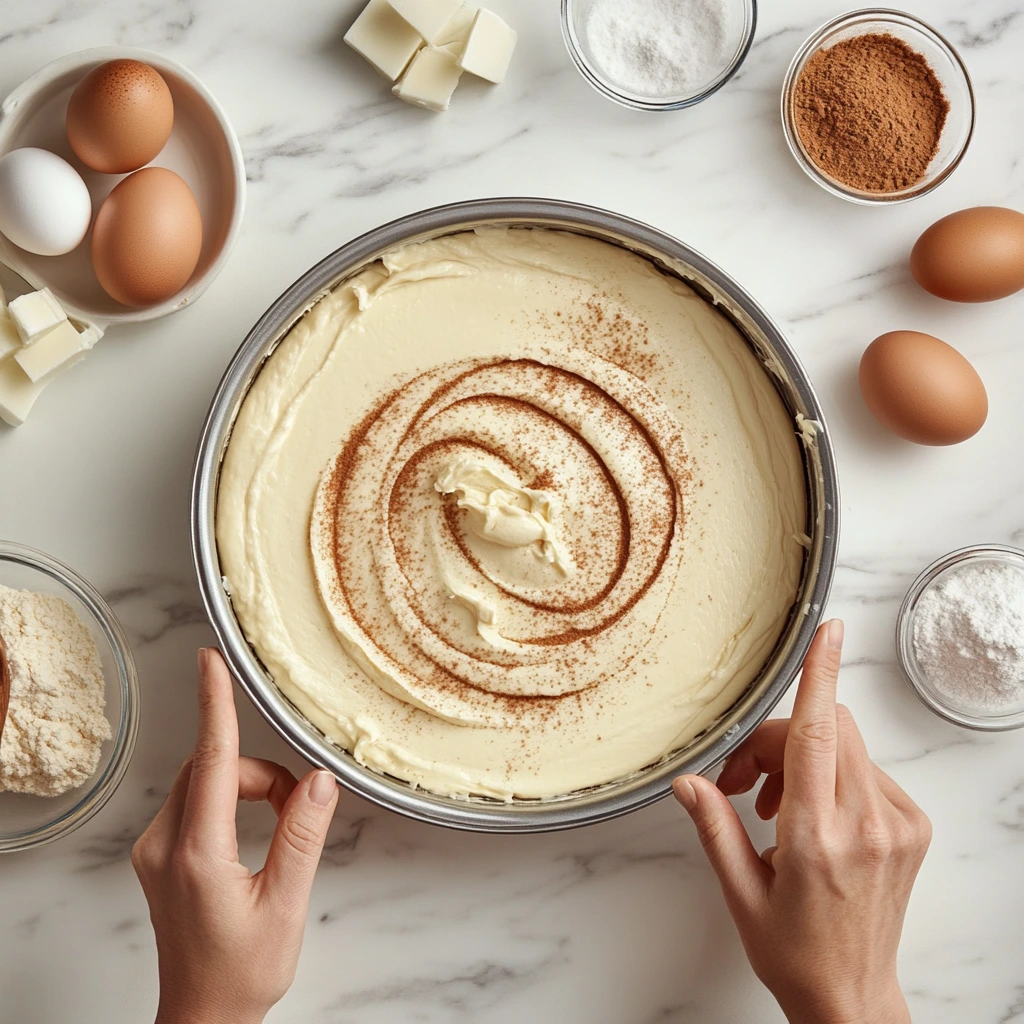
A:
(10, 340)
(56, 350)
(428, 17)
(387, 41)
(456, 33)
(17, 393)
(430, 80)
(489, 48)
(35, 313)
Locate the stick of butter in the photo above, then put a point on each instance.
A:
(428, 17)
(10, 340)
(35, 313)
(488, 51)
(386, 40)
(17, 393)
(430, 80)
(56, 350)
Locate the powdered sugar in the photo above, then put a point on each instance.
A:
(969, 637)
(662, 48)
(55, 724)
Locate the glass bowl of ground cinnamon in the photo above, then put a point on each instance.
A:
(877, 107)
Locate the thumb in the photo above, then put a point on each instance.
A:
(741, 872)
(294, 854)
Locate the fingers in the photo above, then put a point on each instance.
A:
(769, 800)
(209, 811)
(855, 775)
(762, 753)
(741, 872)
(154, 846)
(264, 780)
(287, 876)
(168, 819)
(896, 795)
(810, 761)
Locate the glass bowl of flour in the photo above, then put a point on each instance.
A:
(960, 637)
(658, 54)
(74, 708)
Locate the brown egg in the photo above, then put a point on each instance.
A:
(922, 389)
(119, 116)
(147, 238)
(975, 255)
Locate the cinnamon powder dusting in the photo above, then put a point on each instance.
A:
(639, 526)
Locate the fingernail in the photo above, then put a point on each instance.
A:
(204, 659)
(834, 634)
(685, 793)
(321, 789)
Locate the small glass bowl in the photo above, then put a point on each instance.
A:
(945, 62)
(27, 821)
(574, 15)
(913, 672)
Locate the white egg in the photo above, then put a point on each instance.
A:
(44, 204)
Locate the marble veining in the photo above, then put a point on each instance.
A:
(621, 923)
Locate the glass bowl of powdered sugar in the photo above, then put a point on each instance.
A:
(658, 54)
(960, 637)
(73, 715)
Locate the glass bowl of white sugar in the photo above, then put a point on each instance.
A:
(74, 700)
(658, 54)
(960, 637)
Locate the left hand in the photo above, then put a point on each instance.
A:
(228, 941)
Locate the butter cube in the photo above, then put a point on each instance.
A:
(455, 34)
(35, 313)
(430, 80)
(488, 51)
(10, 340)
(427, 17)
(17, 393)
(387, 41)
(56, 350)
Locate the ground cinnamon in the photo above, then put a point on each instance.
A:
(870, 112)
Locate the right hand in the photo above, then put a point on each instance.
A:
(820, 914)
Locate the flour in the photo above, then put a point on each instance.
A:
(662, 49)
(55, 723)
(969, 637)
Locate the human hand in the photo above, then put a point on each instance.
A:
(820, 914)
(228, 941)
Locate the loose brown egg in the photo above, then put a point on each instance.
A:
(147, 237)
(119, 116)
(975, 255)
(922, 389)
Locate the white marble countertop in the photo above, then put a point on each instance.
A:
(620, 923)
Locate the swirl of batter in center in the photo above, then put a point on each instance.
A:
(499, 536)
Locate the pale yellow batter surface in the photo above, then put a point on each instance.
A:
(512, 513)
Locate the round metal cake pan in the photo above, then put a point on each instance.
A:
(623, 795)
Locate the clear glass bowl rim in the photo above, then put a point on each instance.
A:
(811, 45)
(102, 788)
(904, 635)
(639, 103)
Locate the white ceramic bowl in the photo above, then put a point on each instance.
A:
(202, 148)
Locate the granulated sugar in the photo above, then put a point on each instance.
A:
(969, 637)
(662, 48)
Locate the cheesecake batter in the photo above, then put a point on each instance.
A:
(512, 513)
